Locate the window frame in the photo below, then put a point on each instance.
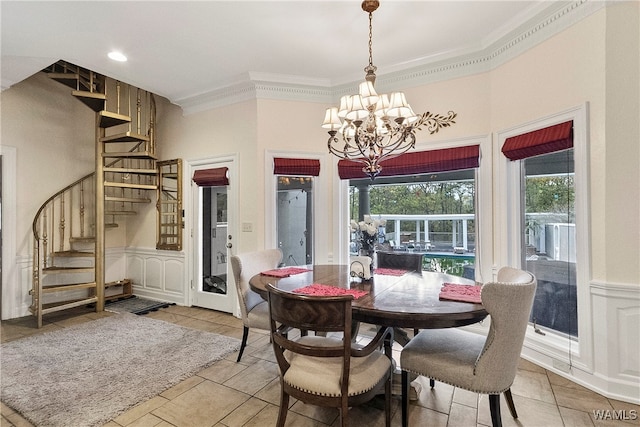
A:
(509, 219)
(321, 252)
(484, 202)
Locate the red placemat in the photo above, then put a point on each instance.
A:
(284, 272)
(317, 289)
(462, 293)
(390, 271)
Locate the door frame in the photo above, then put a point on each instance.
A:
(191, 222)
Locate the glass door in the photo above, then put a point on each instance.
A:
(212, 284)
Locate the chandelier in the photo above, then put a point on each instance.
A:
(374, 127)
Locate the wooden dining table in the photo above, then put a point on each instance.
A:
(410, 300)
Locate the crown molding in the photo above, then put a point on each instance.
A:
(535, 30)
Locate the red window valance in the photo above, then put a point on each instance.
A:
(296, 167)
(542, 141)
(418, 162)
(215, 177)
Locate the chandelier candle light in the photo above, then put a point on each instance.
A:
(373, 126)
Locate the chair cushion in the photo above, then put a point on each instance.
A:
(446, 355)
(322, 375)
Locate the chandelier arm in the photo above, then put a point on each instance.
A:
(435, 122)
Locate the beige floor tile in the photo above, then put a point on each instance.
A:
(420, 416)
(203, 405)
(147, 420)
(573, 418)
(222, 370)
(462, 416)
(323, 415)
(269, 415)
(140, 410)
(580, 398)
(465, 397)
(271, 393)
(525, 365)
(254, 378)
(534, 385)
(181, 387)
(531, 412)
(244, 413)
(438, 398)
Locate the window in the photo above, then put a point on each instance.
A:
(549, 239)
(294, 208)
(432, 214)
(294, 213)
(547, 231)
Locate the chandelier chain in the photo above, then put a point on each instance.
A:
(371, 39)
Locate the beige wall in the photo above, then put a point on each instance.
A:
(594, 61)
(54, 135)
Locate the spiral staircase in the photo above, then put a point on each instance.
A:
(69, 228)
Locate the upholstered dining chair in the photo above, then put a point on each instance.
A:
(326, 370)
(399, 260)
(471, 361)
(254, 308)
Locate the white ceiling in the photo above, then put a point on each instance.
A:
(182, 49)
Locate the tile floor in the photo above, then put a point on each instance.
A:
(247, 393)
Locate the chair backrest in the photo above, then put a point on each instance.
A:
(247, 265)
(508, 301)
(402, 261)
(321, 314)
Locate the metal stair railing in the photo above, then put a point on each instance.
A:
(68, 218)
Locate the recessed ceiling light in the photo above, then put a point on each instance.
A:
(117, 56)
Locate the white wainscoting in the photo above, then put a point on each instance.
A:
(613, 367)
(157, 274)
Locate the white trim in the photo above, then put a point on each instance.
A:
(507, 187)
(321, 254)
(546, 22)
(191, 209)
(11, 291)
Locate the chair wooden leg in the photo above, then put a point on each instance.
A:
(494, 406)
(512, 407)
(405, 399)
(284, 407)
(245, 335)
(344, 414)
(387, 402)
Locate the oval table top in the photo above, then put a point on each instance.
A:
(407, 301)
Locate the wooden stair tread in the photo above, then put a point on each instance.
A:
(126, 185)
(63, 305)
(73, 254)
(109, 119)
(130, 154)
(94, 100)
(121, 213)
(67, 287)
(68, 79)
(86, 239)
(55, 269)
(132, 170)
(127, 136)
(126, 199)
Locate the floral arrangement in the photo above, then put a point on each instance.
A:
(367, 233)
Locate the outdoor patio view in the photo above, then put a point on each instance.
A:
(433, 214)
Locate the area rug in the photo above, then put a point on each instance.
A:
(87, 374)
(135, 305)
